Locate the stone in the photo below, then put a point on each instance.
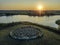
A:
(26, 32)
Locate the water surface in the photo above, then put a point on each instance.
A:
(49, 21)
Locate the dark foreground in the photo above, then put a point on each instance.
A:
(48, 38)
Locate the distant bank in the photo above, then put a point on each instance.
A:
(29, 12)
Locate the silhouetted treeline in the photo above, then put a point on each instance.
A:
(29, 12)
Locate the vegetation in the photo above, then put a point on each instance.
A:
(5, 25)
(58, 22)
(48, 38)
(28, 12)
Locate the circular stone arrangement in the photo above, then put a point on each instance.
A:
(26, 32)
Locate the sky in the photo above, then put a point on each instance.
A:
(29, 4)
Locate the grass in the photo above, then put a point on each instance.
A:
(49, 38)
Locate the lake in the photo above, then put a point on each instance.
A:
(44, 20)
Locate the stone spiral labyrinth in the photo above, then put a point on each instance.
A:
(26, 32)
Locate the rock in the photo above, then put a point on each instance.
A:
(26, 32)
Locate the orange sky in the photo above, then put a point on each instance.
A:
(29, 4)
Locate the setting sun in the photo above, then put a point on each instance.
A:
(40, 7)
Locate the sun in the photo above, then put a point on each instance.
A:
(40, 7)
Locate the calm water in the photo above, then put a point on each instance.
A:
(49, 21)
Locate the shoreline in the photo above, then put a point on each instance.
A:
(6, 25)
